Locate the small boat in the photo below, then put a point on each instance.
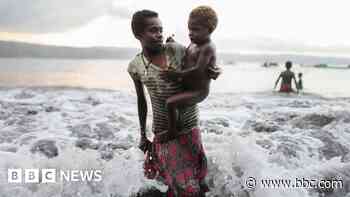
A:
(270, 64)
(321, 66)
(230, 62)
(332, 66)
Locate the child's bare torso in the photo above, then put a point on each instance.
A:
(200, 79)
(287, 77)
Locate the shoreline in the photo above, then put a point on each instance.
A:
(235, 94)
(261, 135)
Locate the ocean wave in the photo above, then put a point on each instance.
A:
(261, 135)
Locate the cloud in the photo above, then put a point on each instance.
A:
(47, 16)
(266, 44)
(121, 12)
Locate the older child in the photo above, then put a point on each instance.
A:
(287, 76)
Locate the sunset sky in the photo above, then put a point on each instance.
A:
(293, 26)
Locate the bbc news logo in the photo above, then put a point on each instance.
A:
(52, 175)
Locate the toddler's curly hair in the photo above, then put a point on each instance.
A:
(206, 15)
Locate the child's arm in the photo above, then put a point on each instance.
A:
(144, 143)
(278, 79)
(205, 55)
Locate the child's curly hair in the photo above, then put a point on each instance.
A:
(207, 16)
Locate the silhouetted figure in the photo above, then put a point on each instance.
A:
(300, 81)
(287, 76)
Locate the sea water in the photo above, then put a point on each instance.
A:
(242, 77)
(250, 133)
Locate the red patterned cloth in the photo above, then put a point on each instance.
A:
(286, 88)
(180, 163)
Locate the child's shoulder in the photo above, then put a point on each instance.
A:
(208, 47)
(137, 60)
(136, 66)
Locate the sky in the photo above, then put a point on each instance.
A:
(245, 26)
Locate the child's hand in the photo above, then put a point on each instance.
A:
(170, 39)
(144, 144)
(214, 72)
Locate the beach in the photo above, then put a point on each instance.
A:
(248, 131)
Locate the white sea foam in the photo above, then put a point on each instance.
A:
(263, 135)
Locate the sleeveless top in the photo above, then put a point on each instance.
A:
(160, 88)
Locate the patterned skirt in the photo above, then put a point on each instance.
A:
(286, 88)
(180, 163)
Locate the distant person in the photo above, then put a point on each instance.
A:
(287, 76)
(300, 81)
(200, 58)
